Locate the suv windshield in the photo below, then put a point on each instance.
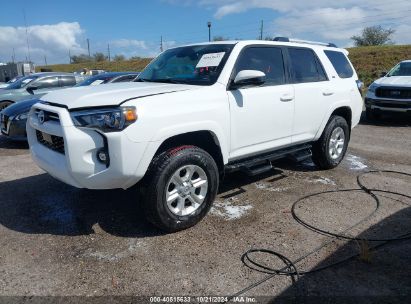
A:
(401, 69)
(21, 83)
(198, 64)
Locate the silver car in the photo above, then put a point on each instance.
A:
(35, 86)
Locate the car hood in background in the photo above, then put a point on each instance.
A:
(395, 81)
(111, 94)
(19, 107)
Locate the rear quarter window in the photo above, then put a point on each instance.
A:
(341, 64)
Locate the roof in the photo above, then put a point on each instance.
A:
(41, 74)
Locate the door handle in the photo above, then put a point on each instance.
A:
(328, 93)
(286, 97)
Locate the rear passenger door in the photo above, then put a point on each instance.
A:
(313, 93)
(67, 81)
(261, 116)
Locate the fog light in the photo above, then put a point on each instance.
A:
(102, 156)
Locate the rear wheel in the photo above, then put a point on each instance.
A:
(330, 149)
(179, 188)
(4, 104)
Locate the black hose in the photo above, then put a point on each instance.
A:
(290, 268)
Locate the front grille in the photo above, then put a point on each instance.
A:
(396, 105)
(4, 122)
(395, 93)
(55, 143)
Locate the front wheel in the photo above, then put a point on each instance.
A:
(180, 187)
(330, 149)
(4, 104)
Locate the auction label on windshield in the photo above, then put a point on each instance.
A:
(210, 60)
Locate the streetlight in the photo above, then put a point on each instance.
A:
(209, 31)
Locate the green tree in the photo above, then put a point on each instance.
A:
(374, 35)
(82, 58)
(98, 57)
(119, 58)
(220, 38)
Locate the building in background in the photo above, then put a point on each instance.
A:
(11, 70)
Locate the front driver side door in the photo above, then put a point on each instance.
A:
(261, 116)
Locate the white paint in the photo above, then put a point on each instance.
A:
(133, 245)
(228, 211)
(324, 180)
(355, 162)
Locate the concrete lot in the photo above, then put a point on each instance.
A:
(58, 240)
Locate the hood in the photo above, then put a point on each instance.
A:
(395, 81)
(19, 107)
(110, 94)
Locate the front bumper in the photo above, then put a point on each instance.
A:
(12, 128)
(75, 161)
(383, 104)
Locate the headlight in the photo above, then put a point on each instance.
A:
(106, 120)
(22, 116)
(372, 87)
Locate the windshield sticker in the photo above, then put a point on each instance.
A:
(210, 60)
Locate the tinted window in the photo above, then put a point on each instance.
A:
(47, 82)
(305, 66)
(340, 63)
(67, 81)
(268, 60)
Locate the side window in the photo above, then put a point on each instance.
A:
(305, 66)
(340, 63)
(67, 81)
(47, 82)
(265, 59)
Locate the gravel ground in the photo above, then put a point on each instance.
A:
(56, 240)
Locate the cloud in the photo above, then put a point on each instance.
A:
(320, 19)
(53, 41)
(129, 43)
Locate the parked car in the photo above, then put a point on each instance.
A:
(6, 84)
(194, 113)
(109, 77)
(35, 85)
(13, 119)
(391, 92)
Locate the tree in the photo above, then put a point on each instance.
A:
(82, 58)
(135, 58)
(98, 57)
(220, 38)
(119, 58)
(374, 35)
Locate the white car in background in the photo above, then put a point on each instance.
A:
(390, 93)
(197, 112)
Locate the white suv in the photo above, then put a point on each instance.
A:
(391, 93)
(194, 113)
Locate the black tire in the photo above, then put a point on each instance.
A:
(4, 104)
(372, 114)
(321, 155)
(154, 186)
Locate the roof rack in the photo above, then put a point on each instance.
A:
(286, 39)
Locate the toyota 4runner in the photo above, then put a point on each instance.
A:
(196, 112)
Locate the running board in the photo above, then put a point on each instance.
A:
(262, 162)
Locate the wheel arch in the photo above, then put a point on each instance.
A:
(343, 110)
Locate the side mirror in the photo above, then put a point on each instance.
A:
(383, 74)
(30, 89)
(248, 77)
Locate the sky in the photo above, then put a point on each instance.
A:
(134, 28)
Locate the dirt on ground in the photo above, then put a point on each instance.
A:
(56, 240)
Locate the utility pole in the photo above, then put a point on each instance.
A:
(27, 35)
(209, 31)
(108, 50)
(261, 29)
(69, 56)
(88, 47)
(161, 44)
(13, 56)
(45, 60)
